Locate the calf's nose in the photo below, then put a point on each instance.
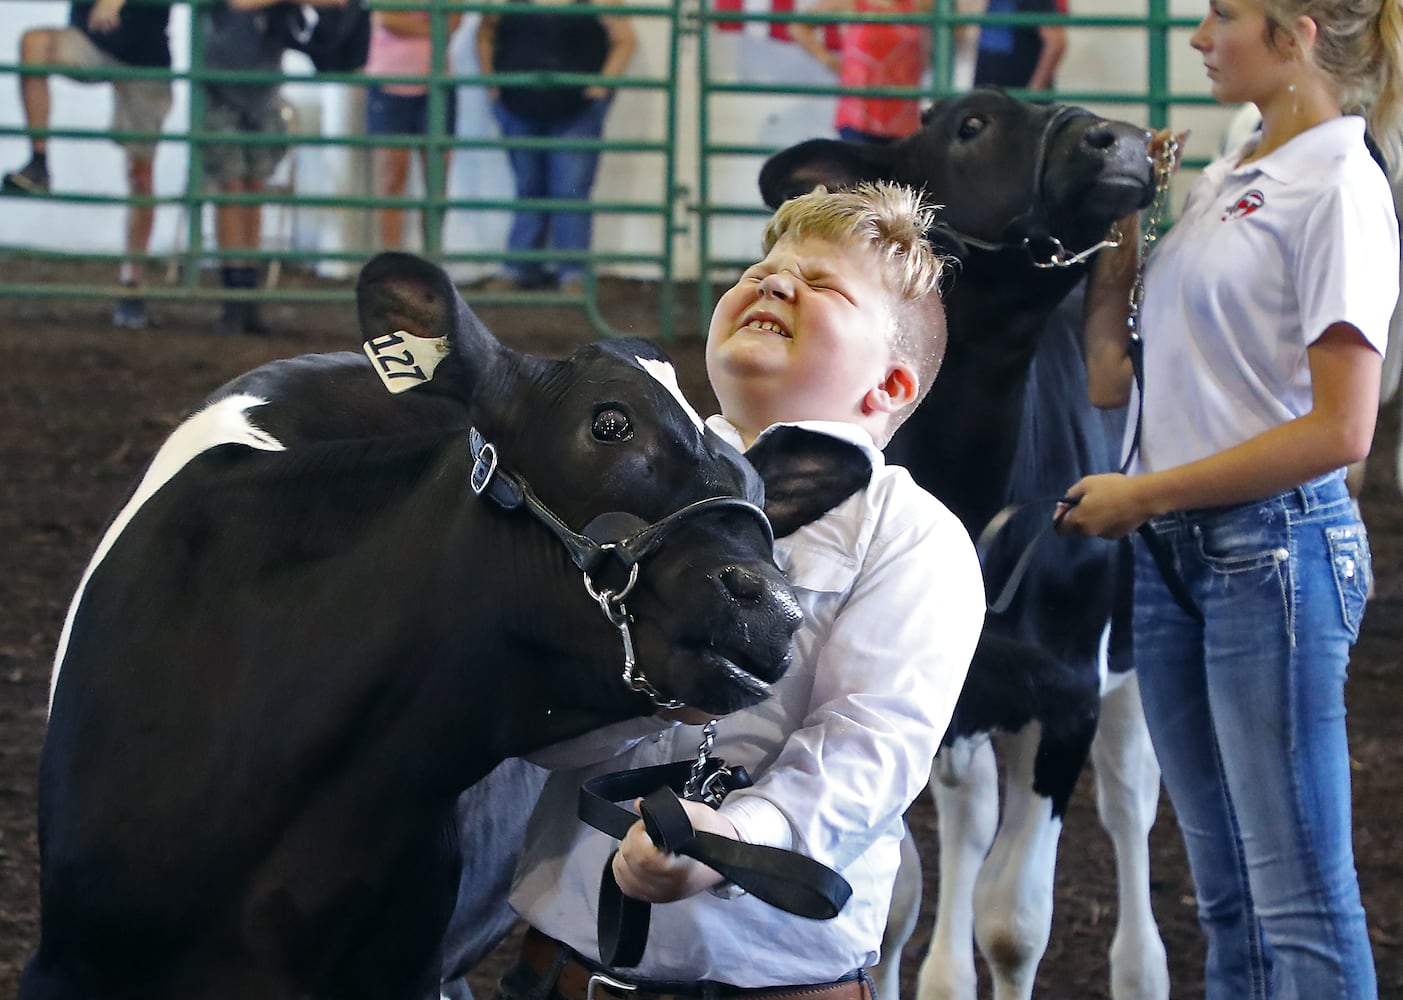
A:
(744, 585)
(1100, 136)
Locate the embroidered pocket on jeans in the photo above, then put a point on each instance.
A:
(1354, 572)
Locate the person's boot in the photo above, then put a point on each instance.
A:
(129, 313)
(231, 319)
(253, 321)
(32, 178)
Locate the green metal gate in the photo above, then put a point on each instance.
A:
(1155, 97)
(689, 207)
(197, 250)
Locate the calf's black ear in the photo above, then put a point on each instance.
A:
(830, 162)
(806, 475)
(412, 319)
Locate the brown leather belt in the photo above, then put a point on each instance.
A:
(573, 983)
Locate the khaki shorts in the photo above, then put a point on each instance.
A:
(138, 105)
(227, 162)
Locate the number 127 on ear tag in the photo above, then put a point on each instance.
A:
(404, 361)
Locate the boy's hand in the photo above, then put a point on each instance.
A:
(655, 876)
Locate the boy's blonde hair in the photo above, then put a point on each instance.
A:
(891, 221)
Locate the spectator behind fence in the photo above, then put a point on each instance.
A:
(1025, 56)
(240, 35)
(401, 44)
(103, 36)
(565, 41)
(873, 55)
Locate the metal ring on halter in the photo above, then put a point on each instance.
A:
(606, 597)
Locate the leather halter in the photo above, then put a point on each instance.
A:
(1033, 223)
(616, 535)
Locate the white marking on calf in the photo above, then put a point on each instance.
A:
(667, 376)
(224, 422)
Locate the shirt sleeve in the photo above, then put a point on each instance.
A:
(1346, 266)
(885, 685)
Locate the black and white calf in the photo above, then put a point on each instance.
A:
(1029, 192)
(326, 609)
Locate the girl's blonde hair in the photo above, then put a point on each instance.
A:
(1359, 46)
(891, 221)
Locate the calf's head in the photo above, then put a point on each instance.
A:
(1010, 175)
(643, 521)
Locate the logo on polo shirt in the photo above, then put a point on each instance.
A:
(1244, 206)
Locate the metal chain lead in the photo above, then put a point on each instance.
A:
(1164, 173)
(695, 781)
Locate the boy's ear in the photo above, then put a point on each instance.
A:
(806, 475)
(897, 390)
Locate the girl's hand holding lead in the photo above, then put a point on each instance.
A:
(1108, 505)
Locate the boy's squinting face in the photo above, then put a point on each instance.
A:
(804, 335)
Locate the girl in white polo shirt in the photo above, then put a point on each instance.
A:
(1266, 311)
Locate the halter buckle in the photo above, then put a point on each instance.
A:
(484, 467)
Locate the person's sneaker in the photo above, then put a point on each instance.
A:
(130, 314)
(32, 178)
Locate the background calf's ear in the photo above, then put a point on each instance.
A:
(806, 475)
(830, 162)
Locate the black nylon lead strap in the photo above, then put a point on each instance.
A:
(1164, 562)
(792, 882)
(1020, 568)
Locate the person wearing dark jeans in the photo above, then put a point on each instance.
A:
(102, 36)
(1024, 57)
(566, 41)
(239, 36)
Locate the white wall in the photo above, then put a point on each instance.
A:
(1097, 59)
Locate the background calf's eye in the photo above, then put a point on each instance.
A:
(612, 425)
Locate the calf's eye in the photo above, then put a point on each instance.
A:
(971, 127)
(611, 424)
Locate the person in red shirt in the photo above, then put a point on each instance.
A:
(873, 54)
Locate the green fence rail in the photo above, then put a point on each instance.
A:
(196, 249)
(688, 206)
(943, 19)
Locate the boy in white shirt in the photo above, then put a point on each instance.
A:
(839, 331)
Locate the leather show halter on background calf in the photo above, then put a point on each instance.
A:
(1135, 350)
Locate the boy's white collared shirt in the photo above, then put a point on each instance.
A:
(893, 603)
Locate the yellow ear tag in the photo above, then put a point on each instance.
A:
(404, 361)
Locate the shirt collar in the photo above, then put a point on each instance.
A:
(1302, 156)
(833, 428)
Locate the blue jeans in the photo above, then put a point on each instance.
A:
(1247, 715)
(405, 114)
(552, 173)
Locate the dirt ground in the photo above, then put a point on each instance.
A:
(82, 406)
